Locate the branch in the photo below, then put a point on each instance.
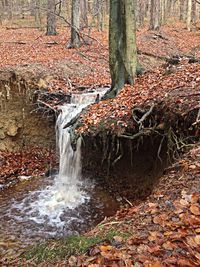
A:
(69, 24)
(146, 114)
(143, 118)
(132, 137)
(72, 121)
(46, 104)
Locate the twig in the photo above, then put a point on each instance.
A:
(116, 160)
(159, 149)
(128, 202)
(144, 116)
(132, 137)
(110, 223)
(197, 119)
(47, 105)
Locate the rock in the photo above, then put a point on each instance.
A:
(12, 130)
(2, 135)
(2, 147)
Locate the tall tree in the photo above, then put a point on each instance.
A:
(122, 45)
(189, 15)
(37, 13)
(51, 18)
(155, 15)
(75, 25)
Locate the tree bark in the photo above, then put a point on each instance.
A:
(38, 19)
(51, 18)
(189, 15)
(84, 13)
(194, 11)
(122, 45)
(155, 15)
(75, 25)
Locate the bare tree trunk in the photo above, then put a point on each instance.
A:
(10, 10)
(38, 19)
(84, 13)
(141, 8)
(75, 25)
(189, 15)
(181, 3)
(163, 11)
(155, 14)
(99, 14)
(22, 8)
(122, 45)
(51, 18)
(194, 11)
(1, 12)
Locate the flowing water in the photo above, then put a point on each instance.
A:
(66, 204)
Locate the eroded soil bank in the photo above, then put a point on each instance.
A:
(127, 141)
(27, 134)
(21, 125)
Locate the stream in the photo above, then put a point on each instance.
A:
(40, 208)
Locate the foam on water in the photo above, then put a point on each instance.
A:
(46, 207)
(66, 192)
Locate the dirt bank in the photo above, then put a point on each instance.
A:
(22, 123)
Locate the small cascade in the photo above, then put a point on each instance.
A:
(67, 191)
(57, 206)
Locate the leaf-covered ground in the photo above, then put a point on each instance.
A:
(23, 164)
(176, 89)
(164, 230)
(88, 66)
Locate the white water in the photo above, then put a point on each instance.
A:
(49, 207)
(54, 203)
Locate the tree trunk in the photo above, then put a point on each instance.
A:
(75, 25)
(189, 15)
(38, 19)
(51, 18)
(10, 10)
(84, 13)
(155, 14)
(181, 17)
(141, 7)
(194, 11)
(1, 12)
(122, 45)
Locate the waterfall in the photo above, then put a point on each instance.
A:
(62, 205)
(67, 191)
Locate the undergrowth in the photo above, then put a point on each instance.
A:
(64, 248)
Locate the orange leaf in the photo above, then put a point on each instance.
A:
(194, 208)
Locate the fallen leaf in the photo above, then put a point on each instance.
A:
(185, 262)
(168, 245)
(184, 202)
(105, 248)
(152, 263)
(194, 208)
(197, 239)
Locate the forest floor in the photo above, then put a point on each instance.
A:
(54, 67)
(164, 230)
